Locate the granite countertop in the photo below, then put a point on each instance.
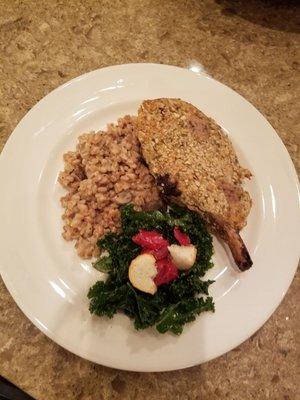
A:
(250, 46)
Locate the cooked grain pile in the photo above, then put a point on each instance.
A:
(105, 172)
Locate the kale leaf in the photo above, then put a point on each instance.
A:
(107, 299)
(176, 315)
(103, 264)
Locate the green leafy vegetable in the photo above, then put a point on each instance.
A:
(103, 264)
(174, 304)
(176, 315)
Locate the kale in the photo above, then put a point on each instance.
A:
(121, 251)
(176, 315)
(174, 304)
(103, 264)
(106, 298)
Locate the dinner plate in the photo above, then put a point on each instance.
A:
(50, 283)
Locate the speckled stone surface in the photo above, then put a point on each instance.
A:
(252, 46)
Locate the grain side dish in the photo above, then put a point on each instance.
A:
(103, 173)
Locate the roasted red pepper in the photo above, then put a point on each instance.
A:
(159, 254)
(154, 243)
(166, 271)
(151, 240)
(182, 238)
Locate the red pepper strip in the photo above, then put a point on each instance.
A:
(159, 254)
(166, 271)
(150, 239)
(182, 238)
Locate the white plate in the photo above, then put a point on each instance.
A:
(49, 282)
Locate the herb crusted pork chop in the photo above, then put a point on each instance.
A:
(194, 164)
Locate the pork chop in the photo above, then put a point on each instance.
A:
(195, 165)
